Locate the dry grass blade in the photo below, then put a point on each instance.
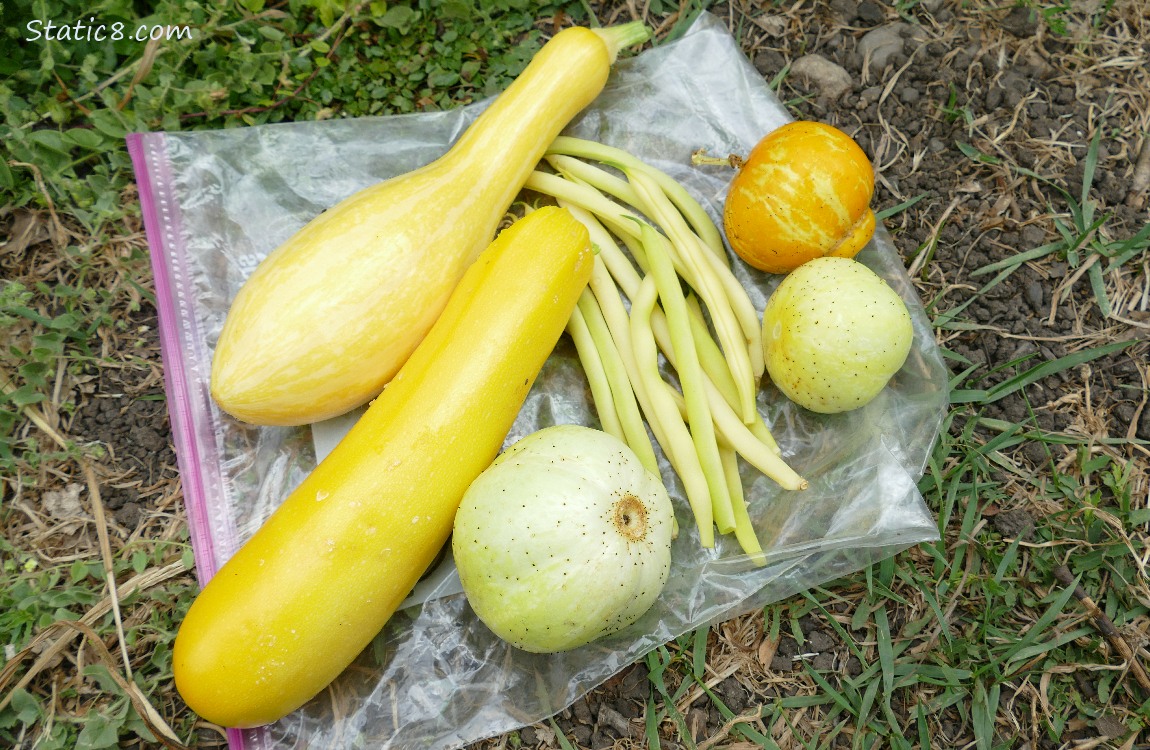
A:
(1106, 627)
(722, 735)
(107, 560)
(143, 581)
(1140, 180)
(98, 514)
(59, 233)
(151, 49)
(34, 415)
(927, 252)
(144, 709)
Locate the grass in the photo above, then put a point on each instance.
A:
(973, 641)
(970, 641)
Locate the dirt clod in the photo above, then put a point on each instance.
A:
(1015, 523)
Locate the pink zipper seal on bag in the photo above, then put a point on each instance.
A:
(182, 350)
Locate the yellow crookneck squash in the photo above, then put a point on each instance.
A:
(312, 587)
(329, 317)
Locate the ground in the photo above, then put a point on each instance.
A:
(1012, 146)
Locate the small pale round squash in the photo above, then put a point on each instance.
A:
(564, 539)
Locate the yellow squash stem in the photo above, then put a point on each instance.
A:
(316, 583)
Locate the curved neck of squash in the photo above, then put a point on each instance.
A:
(499, 150)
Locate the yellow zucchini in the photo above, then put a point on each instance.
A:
(329, 317)
(322, 576)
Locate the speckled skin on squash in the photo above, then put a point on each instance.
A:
(566, 538)
(834, 334)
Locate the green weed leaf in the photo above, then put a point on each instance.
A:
(99, 732)
(22, 709)
(400, 18)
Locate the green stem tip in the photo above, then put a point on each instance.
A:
(624, 35)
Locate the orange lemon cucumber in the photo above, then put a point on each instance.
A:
(803, 192)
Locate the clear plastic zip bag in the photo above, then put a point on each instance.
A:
(216, 202)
